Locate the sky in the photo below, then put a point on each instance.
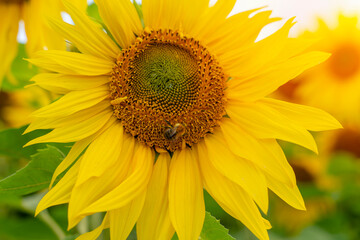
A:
(305, 11)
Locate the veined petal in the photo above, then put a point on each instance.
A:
(74, 153)
(262, 84)
(61, 192)
(87, 35)
(226, 39)
(49, 81)
(122, 220)
(72, 63)
(266, 54)
(265, 123)
(107, 147)
(163, 14)
(123, 28)
(186, 200)
(118, 168)
(313, 119)
(76, 150)
(231, 197)
(156, 204)
(291, 195)
(73, 102)
(75, 132)
(240, 171)
(94, 234)
(244, 145)
(131, 187)
(214, 17)
(73, 119)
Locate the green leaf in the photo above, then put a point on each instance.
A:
(35, 176)
(212, 229)
(22, 71)
(13, 140)
(29, 228)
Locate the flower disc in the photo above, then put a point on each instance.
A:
(168, 90)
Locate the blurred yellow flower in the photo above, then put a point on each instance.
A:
(170, 108)
(39, 35)
(335, 85)
(16, 107)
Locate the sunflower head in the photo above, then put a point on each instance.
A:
(189, 88)
(334, 84)
(167, 90)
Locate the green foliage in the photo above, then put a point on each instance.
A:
(93, 12)
(21, 72)
(36, 175)
(212, 229)
(24, 228)
(13, 140)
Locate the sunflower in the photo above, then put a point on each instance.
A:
(39, 34)
(15, 107)
(162, 109)
(335, 84)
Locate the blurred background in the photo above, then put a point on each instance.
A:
(329, 182)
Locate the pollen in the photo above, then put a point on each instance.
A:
(168, 90)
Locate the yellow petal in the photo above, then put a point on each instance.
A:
(160, 14)
(61, 192)
(72, 63)
(291, 195)
(73, 119)
(156, 204)
(186, 202)
(86, 35)
(313, 119)
(8, 32)
(226, 38)
(244, 145)
(73, 102)
(213, 17)
(265, 123)
(39, 34)
(241, 171)
(122, 220)
(94, 234)
(231, 197)
(75, 132)
(123, 28)
(102, 153)
(118, 167)
(131, 187)
(76, 150)
(262, 84)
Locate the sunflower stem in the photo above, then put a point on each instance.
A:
(48, 220)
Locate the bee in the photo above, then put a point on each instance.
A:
(174, 132)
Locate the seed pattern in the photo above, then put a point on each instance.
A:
(163, 80)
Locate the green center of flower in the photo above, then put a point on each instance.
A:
(167, 90)
(166, 76)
